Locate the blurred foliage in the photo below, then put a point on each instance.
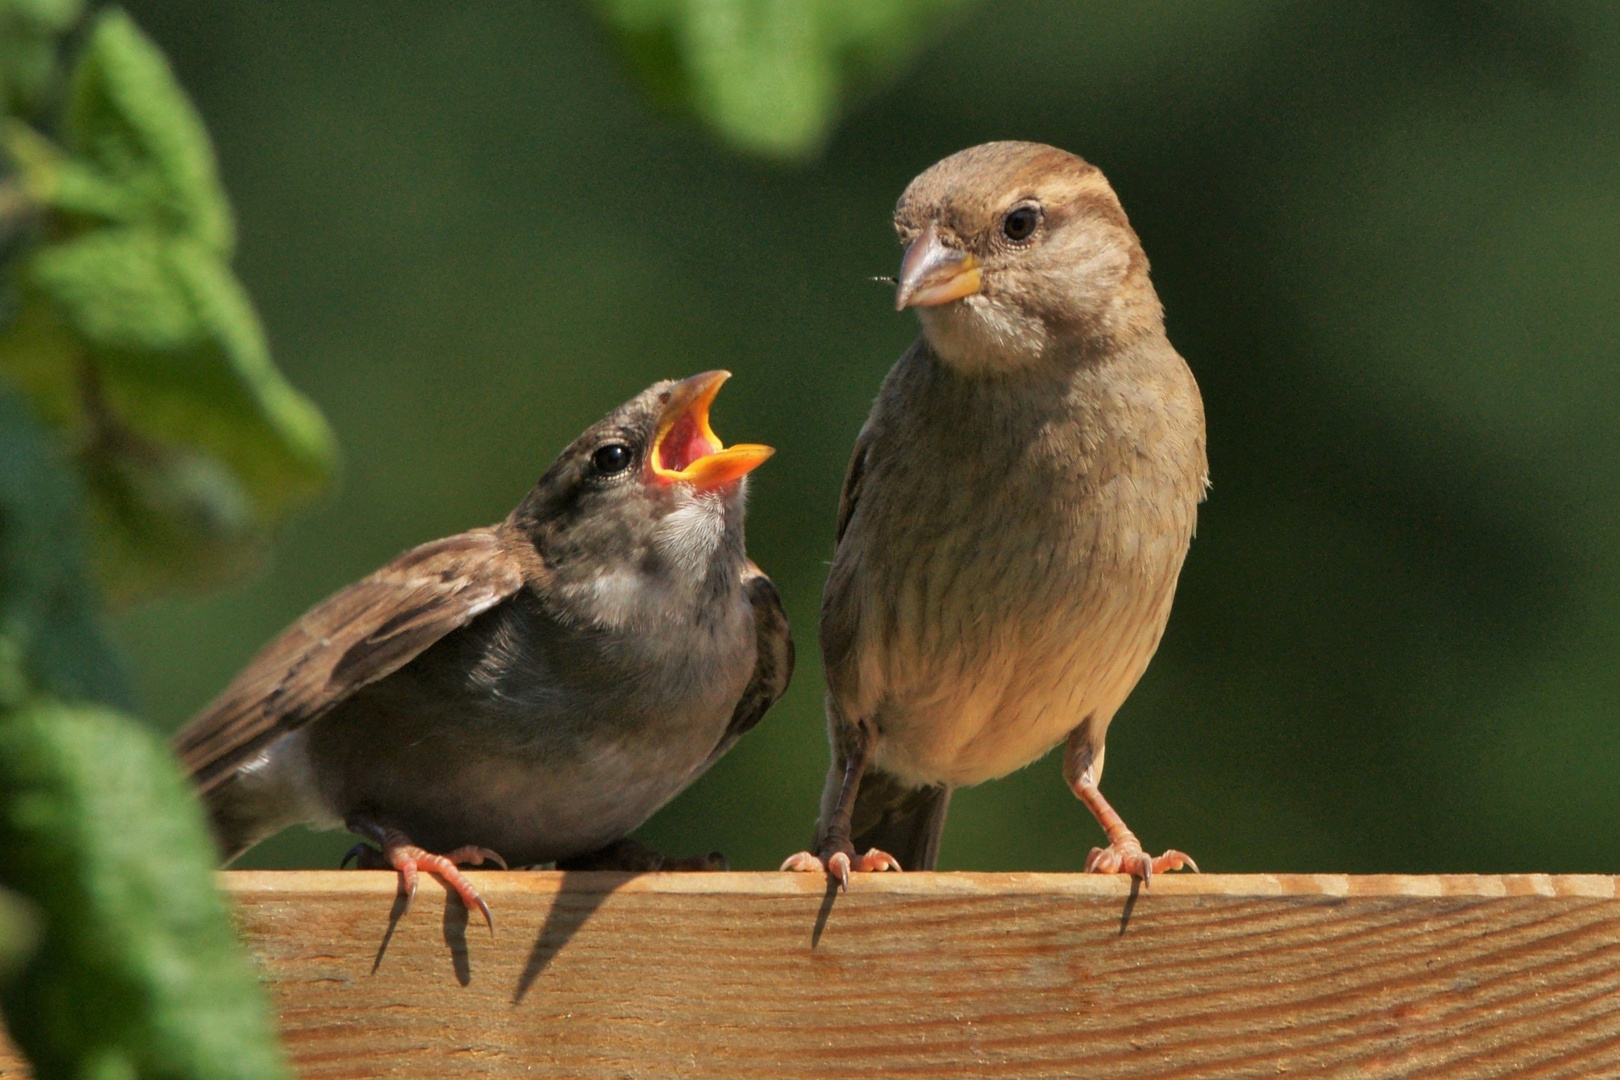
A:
(768, 75)
(135, 338)
(138, 972)
(29, 30)
(51, 635)
(140, 407)
(19, 932)
(121, 960)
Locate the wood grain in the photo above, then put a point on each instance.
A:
(936, 975)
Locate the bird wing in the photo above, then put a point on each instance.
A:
(359, 635)
(852, 483)
(840, 612)
(773, 663)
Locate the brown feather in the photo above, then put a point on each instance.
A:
(359, 635)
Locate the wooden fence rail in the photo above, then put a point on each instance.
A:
(936, 975)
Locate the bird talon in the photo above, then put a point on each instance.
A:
(802, 862)
(483, 906)
(839, 864)
(474, 856)
(838, 867)
(876, 861)
(1127, 857)
(360, 854)
(408, 861)
(408, 881)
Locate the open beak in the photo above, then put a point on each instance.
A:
(688, 451)
(932, 273)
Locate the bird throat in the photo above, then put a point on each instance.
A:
(977, 336)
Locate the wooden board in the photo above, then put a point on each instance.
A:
(935, 975)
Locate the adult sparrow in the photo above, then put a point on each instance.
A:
(537, 688)
(1015, 514)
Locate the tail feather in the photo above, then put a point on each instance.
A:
(238, 819)
(907, 822)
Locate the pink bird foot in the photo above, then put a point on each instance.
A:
(398, 853)
(839, 863)
(1125, 856)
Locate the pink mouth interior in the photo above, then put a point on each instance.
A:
(684, 444)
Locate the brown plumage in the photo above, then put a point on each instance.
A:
(536, 688)
(363, 633)
(1016, 511)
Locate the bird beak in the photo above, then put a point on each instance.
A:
(688, 451)
(932, 273)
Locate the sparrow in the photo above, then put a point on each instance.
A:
(1015, 514)
(524, 693)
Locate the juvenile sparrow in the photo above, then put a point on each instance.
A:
(537, 688)
(1015, 515)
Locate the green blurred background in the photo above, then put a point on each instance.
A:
(1387, 236)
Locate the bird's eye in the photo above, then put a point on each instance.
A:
(1020, 222)
(612, 458)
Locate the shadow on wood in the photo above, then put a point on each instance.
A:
(579, 893)
(937, 975)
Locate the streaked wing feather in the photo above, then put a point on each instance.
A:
(359, 635)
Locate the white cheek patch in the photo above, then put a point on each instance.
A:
(688, 535)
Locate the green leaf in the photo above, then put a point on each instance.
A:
(166, 517)
(50, 178)
(134, 338)
(53, 16)
(182, 358)
(50, 634)
(129, 120)
(194, 443)
(768, 75)
(29, 30)
(137, 972)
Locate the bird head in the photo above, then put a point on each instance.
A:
(650, 486)
(1016, 252)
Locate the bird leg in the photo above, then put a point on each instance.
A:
(634, 857)
(1124, 854)
(399, 854)
(837, 851)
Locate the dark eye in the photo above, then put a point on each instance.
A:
(1020, 222)
(612, 458)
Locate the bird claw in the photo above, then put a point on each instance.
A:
(1127, 857)
(364, 857)
(802, 862)
(409, 860)
(839, 863)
